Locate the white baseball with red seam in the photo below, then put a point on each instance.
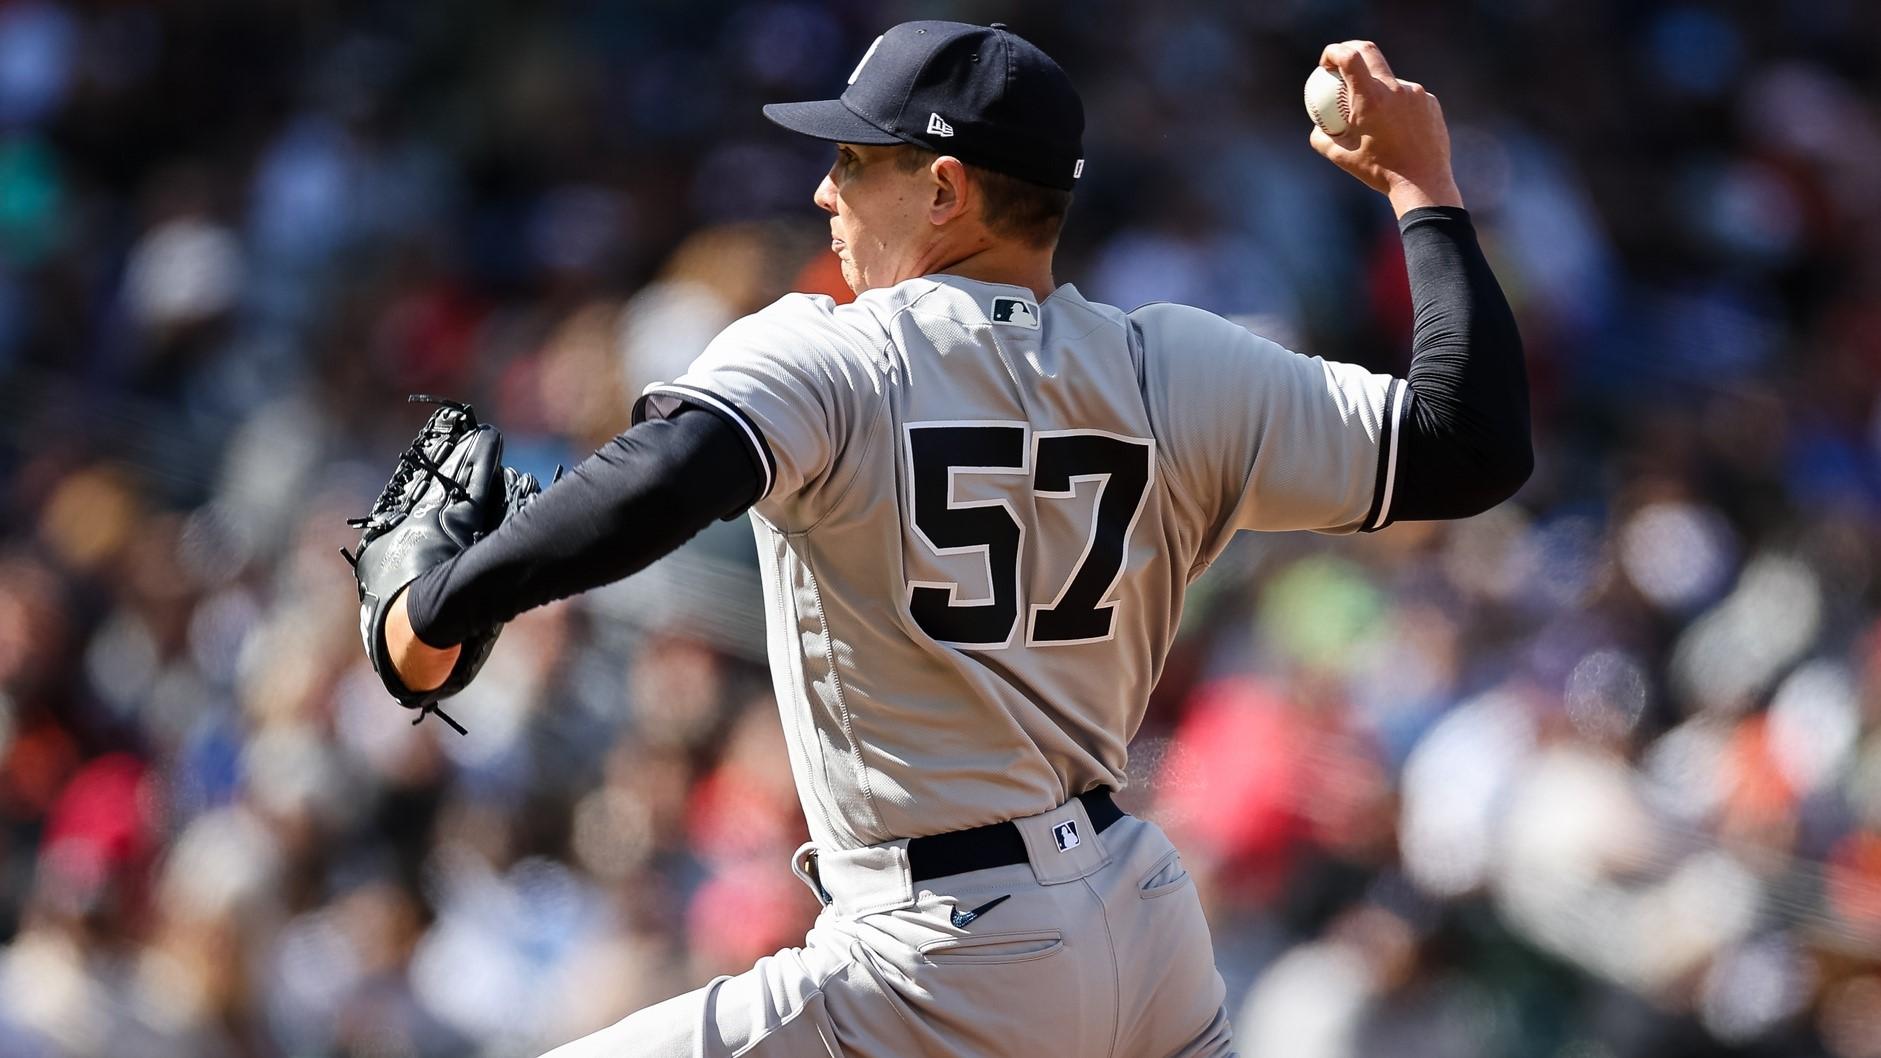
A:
(1327, 102)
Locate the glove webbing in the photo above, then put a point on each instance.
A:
(411, 461)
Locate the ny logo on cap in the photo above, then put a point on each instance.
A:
(1066, 835)
(937, 126)
(866, 56)
(1016, 311)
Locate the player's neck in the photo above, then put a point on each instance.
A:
(998, 262)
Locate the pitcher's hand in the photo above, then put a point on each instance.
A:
(1396, 142)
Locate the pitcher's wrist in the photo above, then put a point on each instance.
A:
(421, 666)
(1407, 195)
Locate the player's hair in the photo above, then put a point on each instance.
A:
(1009, 206)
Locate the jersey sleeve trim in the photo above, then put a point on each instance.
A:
(724, 409)
(1380, 514)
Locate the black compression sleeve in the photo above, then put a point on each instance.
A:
(641, 495)
(1464, 441)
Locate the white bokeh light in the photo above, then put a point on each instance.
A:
(1677, 554)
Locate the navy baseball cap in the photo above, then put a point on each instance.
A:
(983, 94)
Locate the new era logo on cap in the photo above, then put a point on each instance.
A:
(1066, 835)
(937, 126)
(1015, 311)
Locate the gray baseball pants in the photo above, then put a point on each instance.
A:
(1098, 951)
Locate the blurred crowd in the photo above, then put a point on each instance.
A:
(1594, 775)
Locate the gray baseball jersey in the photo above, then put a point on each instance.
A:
(979, 516)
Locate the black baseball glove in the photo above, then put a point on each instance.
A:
(450, 490)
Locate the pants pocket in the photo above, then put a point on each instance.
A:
(1167, 876)
(1035, 977)
(992, 948)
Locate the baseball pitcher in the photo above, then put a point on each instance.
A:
(978, 498)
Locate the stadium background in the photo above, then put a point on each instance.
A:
(1595, 775)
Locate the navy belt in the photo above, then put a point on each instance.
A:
(993, 845)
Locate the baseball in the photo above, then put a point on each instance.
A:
(1326, 101)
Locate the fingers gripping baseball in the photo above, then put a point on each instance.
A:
(1395, 140)
(1357, 59)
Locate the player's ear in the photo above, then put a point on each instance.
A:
(952, 191)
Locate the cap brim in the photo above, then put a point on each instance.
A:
(827, 119)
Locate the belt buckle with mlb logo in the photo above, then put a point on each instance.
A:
(1066, 835)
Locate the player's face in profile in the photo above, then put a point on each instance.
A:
(876, 217)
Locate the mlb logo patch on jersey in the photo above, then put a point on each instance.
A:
(1066, 835)
(1017, 312)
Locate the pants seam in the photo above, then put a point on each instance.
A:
(858, 955)
(1116, 1005)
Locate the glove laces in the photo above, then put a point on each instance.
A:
(429, 708)
(414, 459)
